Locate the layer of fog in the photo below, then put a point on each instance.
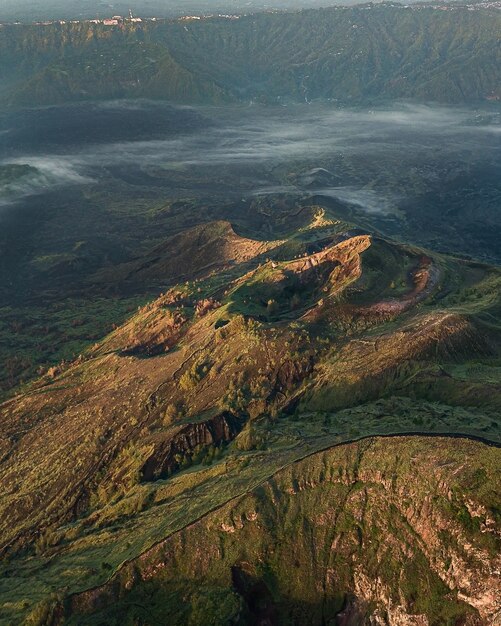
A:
(308, 137)
(52, 173)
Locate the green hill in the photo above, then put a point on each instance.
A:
(218, 454)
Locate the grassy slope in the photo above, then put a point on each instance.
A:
(314, 533)
(102, 417)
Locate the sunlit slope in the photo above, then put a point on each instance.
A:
(291, 347)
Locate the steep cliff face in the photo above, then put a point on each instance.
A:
(395, 532)
(172, 451)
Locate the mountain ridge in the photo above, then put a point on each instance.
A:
(358, 55)
(224, 380)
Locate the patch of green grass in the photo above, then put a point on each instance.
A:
(32, 339)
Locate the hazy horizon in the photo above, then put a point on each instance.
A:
(33, 10)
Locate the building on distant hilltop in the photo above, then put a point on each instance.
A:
(112, 22)
(132, 18)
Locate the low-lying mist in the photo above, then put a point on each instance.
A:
(379, 161)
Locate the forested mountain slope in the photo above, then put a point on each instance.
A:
(351, 55)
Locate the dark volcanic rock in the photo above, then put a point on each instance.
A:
(213, 432)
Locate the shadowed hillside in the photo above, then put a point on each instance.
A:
(350, 55)
(194, 253)
(337, 537)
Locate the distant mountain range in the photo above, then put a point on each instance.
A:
(29, 10)
(357, 55)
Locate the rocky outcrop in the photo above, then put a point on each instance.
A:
(371, 534)
(342, 261)
(170, 453)
(341, 252)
